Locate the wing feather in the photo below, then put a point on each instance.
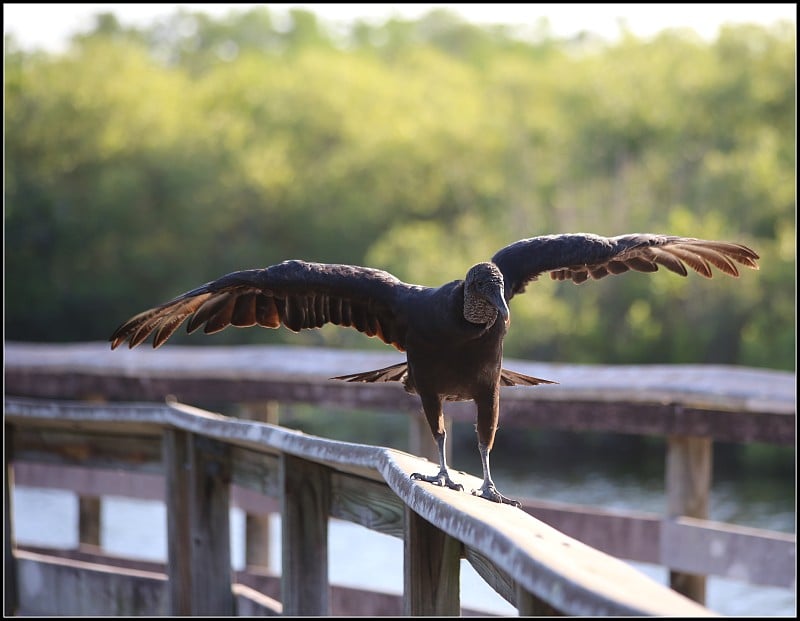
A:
(394, 373)
(295, 294)
(716, 258)
(672, 263)
(617, 267)
(267, 315)
(244, 310)
(206, 310)
(221, 318)
(641, 264)
(166, 329)
(693, 259)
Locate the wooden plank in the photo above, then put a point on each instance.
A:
(198, 477)
(257, 540)
(90, 481)
(56, 445)
(528, 605)
(253, 502)
(179, 545)
(632, 535)
(256, 471)
(262, 411)
(305, 507)
(368, 503)
(89, 505)
(10, 593)
(122, 419)
(257, 527)
(431, 569)
(496, 578)
(78, 588)
(89, 520)
(251, 603)
(209, 496)
(688, 487)
(751, 555)
(644, 418)
(256, 474)
(688, 474)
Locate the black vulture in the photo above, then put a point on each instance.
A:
(452, 335)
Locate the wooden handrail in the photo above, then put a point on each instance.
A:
(548, 568)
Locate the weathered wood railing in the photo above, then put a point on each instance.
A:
(690, 405)
(536, 567)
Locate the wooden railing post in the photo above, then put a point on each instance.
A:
(89, 525)
(431, 569)
(688, 487)
(257, 541)
(198, 503)
(257, 527)
(305, 507)
(528, 605)
(10, 595)
(89, 521)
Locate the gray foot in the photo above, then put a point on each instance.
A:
(442, 480)
(489, 492)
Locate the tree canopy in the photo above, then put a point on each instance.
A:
(142, 162)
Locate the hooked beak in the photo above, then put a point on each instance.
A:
(499, 301)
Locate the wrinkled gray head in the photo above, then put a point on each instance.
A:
(484, 294)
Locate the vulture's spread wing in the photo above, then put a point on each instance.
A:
(295, 294)
(580, 256)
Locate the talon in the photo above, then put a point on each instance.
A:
(491, 493)
(442, 480)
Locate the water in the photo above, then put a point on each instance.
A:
(361, 558)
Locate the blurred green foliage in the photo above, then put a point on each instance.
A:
(143, 162)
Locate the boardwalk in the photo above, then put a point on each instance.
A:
(691, 405)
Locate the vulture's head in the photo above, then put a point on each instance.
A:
(483, 295)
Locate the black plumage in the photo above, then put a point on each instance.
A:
(452, 335)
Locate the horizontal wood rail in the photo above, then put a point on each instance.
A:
(531, 564)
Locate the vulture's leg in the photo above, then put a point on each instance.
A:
(433, 413)
(488, 490)
(488, 413)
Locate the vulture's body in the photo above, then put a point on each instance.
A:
(452, 335)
